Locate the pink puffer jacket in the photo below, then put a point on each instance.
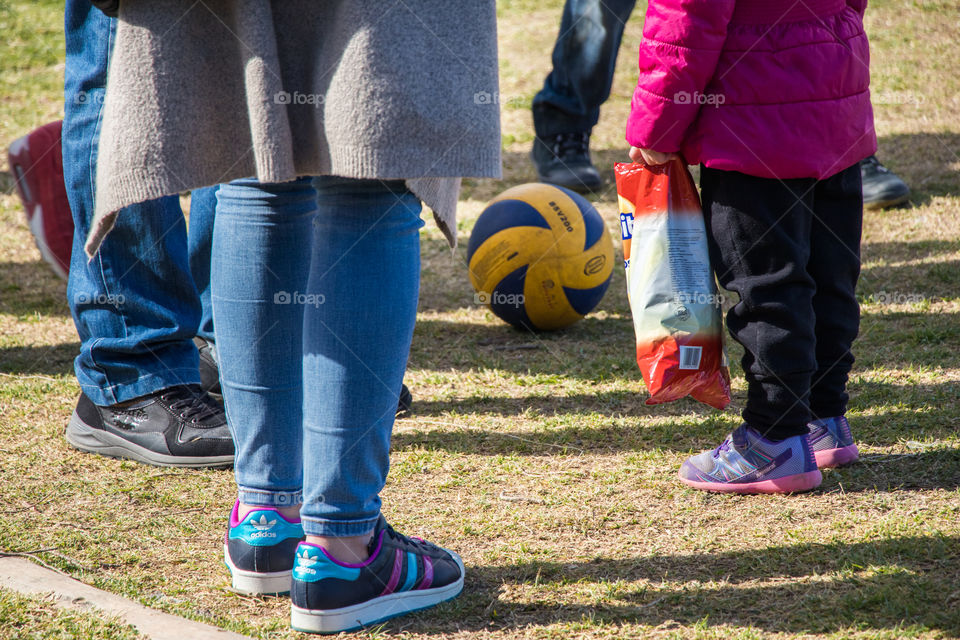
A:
(770, 88)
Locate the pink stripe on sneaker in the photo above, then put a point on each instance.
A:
(788, 484)
(427, 573)
(235, 515)
(395, 576)
(837, 457)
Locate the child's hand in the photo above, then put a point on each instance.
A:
(649, 156)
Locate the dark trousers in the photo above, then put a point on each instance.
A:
(791, 250)
(584, 57)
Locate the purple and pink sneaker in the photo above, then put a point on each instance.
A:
(747, 462)
(832, 442)
(401, 575)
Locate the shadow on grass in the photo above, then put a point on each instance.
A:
(593, 348)
(930, 469)
(910, 284)
(879, 585)
(883, 415)
(925, 161)
(908, 340)
(898, 251)
(46, 360)
(633, 434)
(27, 288)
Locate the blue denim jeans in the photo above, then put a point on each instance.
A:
(584, 57)
(135, 305)
(315, 289)
(203, 204)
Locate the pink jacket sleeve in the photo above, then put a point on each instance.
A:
(860, 6)
(682, 40)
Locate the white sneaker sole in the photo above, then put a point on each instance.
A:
(255, 583)
(373, 611)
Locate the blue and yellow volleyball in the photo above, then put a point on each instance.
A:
(540, 256)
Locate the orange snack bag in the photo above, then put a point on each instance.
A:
(670, 284)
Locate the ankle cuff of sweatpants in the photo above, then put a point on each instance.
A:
(828, 410)
(780, 429)
(337, 528)
(262, 498)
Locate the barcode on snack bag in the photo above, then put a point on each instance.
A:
(690, 357)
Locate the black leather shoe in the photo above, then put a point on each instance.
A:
(564, 160)
(882, 188)
(177, 427)
(209, 366)
(405, 401)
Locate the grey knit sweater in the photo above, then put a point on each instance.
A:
(203, 93)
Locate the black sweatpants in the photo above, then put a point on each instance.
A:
(791, 250)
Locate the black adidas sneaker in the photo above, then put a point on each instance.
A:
(402, 575)
(259, 550)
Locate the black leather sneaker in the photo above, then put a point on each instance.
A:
(209, 366)
(882, 188)
(564, 160)
(405, 402)
(177, 427)
(402, 575)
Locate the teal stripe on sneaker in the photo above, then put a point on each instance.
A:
(411, 572)
(263, 528)
(312, 565)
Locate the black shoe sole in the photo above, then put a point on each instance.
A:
(86, 438)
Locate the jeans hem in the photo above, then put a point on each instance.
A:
(267, 498)
(337, 528)
(550, 120)
(142, 386)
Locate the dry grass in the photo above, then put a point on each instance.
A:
(542, 466)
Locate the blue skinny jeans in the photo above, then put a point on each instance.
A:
(314, 289)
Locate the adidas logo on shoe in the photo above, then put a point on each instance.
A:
(306, 560)
(262, 527)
